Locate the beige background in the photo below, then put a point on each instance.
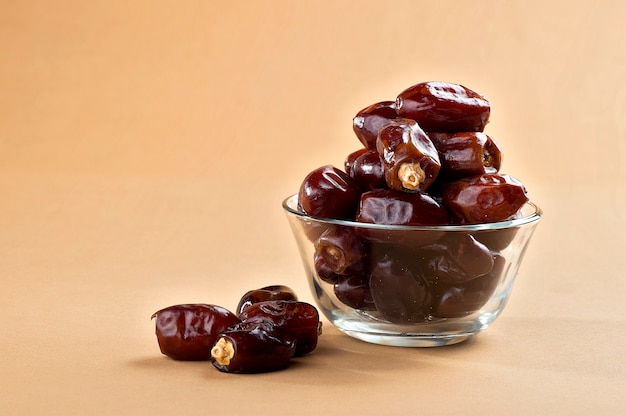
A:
(145, 148)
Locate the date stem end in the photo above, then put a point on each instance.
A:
(223, 351)
(411, 175)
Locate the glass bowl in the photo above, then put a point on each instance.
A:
(411, 286)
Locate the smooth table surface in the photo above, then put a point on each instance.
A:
(145, 150)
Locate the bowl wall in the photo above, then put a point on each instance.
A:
(411, 286)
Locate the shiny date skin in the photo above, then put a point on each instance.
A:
(369, 120)
(323, 270)
(252, 349)
(354, 291)
(188, 331)
(466, 154)
(444, 107)
(341, 250)
(328, 192)
(410, 160)
(486, 198)
(366, 168)
(496, 240)
(400, 294)
(273, 292)
(390, 207)
(462, 299)
(294, 320)
(455, 257)
(351, 158)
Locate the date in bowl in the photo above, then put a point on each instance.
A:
(411, 286)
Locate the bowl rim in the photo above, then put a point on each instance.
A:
(533, 214)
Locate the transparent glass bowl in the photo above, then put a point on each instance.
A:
(411, 286)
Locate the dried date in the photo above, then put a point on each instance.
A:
(389, 207)
(354, 291)
(328, 192)
(410, 160)
(367, 170)
(369, 120)
(273, 292)
(294, 320)
(341, 250)
(486, 198)
(188, 331)
(252, 349)
(456, 257)
(461, 299)
(444, 107)
(400, 294)
(466, 154)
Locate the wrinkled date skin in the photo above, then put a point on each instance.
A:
(466, 154)
(354, 291)
(426, 162)
(486, 198)
(294, 320)
(341, 250)
(328, 192)
(444, 107)
(324, 270)
(410, 160)
(456, 257)
(366, 168)
(252, 349)
(461, 299)
(188, 331)
(273, 292)
(389, 207)
(400, 294)
(351, 158)
(368, 121)
(496, 240)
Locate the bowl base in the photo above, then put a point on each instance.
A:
(428, 335)
(407, 340)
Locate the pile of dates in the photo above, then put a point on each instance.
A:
(269, 327)
(424, 161)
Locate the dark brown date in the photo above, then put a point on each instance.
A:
(274, 292)
(324, 270)
(294, 320)
(455, 257)
(328, 192)
(354, 291)
(444, 107)
(496, 240)
(188, 331)
(461, 299)
(341, 249)
(252, 349)
(367, 170)
(399, 293)
(466, 154)
(368, 121)
(389, 207)
(349, 160)
(313, 229)
(486, 198)
(410, 160)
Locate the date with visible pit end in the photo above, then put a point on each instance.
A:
(271, 326)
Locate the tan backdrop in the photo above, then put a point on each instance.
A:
(145, 148)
